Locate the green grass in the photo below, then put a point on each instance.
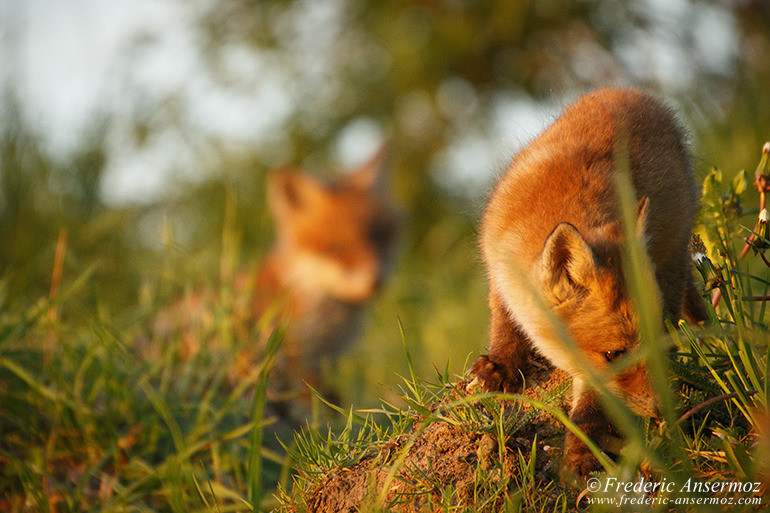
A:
(88, 422)
(89, 425)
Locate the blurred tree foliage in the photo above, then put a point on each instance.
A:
(423, 74)
(428, 71)
(40, 195)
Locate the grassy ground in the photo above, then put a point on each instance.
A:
(90, 423)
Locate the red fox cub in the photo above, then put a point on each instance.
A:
(332, 252)
(553, 223)
(331, 255)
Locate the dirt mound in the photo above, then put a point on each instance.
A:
(442, 459)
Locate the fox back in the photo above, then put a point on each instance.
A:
(552, 224)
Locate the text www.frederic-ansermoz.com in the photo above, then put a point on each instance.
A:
(643, 492)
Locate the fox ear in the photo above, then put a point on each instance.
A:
(290, 191)
(371, 174)
(567, 263)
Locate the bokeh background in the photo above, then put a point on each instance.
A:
(136, 124)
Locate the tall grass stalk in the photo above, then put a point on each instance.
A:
(646, 297)
(256, 490)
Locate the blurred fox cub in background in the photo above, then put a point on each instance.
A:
(332, 251)
(334, 243)
(552, 224)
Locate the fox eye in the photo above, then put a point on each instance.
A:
(380, 233)
(614, 355)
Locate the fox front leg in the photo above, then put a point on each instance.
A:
(509, 348)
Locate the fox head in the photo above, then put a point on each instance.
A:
(334, 239)
(583, 282)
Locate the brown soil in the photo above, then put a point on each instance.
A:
(444, 455)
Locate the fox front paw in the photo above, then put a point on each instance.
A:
(578, 459)
(494, 377)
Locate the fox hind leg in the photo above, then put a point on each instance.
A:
(587, 414)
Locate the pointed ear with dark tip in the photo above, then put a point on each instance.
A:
(370, 175)
(290, 191)
(567, 263)
(642, 211)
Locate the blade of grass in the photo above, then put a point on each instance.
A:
(255, 491)
(641, 281)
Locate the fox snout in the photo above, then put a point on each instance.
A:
(362, 282)
(637, 390)
(354, 282)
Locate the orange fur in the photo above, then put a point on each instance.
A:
(552, 225)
